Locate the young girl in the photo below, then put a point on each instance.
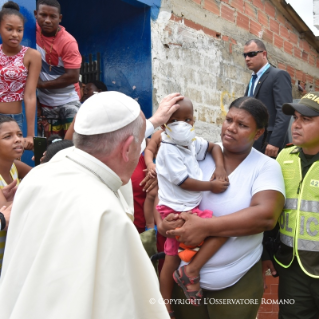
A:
(11, 147)
(180, 186)
(19, 71)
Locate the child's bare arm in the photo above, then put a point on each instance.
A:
(217, 154)
(151, 151)
(215, 186)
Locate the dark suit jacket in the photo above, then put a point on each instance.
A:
(274, 89)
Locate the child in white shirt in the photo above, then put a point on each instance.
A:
(180, 186)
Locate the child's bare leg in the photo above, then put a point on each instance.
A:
(149, 207)
(207, 250)
(171, 263)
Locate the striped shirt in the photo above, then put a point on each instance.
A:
(64, 55)
(3, 234)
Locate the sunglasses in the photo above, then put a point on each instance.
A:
(251, 54)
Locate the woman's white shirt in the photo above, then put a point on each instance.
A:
(256, 173)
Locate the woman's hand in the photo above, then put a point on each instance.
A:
(28, 143)
(267, 265)
(10, 190)
(194, 230)
(148, 182)
(171, 222)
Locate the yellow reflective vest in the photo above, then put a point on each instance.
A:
(299, 221)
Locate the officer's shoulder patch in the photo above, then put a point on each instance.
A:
(288, 145)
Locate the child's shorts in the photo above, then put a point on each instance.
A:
(171, 244)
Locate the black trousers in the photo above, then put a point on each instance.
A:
(295, 285)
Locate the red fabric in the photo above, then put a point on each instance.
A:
(138, 194)
(13, 76)
(65, 48)
(139, 198)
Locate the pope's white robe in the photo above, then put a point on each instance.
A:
(71, 250)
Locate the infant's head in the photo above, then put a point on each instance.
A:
(184, 113)
(179, 128)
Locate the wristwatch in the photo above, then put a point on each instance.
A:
(2, 222)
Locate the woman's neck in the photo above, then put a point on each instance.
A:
(5, 167)
(232, 160)
(9, 51)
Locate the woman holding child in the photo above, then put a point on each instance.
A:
(250, 205)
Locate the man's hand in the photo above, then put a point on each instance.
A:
(165, 109)
(193, 232)
(9, 191)
(271, 151)
(40, 84)
(28, 143)
(148, 182)
(267, 264)
(6, 211)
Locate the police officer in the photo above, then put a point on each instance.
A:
(297, 259)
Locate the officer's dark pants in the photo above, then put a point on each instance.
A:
(295, 285)
(248, 291)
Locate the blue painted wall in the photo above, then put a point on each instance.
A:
(26, 8)
(121, 32)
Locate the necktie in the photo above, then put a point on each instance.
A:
(254, 77)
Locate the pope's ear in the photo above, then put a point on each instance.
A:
(259, 133)
(126, 148)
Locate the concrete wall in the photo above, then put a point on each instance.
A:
(197, 50)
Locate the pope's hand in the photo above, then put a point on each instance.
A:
(165, 109)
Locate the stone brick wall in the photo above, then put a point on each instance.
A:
(197, 50)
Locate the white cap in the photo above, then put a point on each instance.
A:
(106, 112)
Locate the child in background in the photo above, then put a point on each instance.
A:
(11, 148)
(55, 145)
(180, 186)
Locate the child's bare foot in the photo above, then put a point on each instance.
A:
(192, 273)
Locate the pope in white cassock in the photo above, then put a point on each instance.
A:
(72, 252)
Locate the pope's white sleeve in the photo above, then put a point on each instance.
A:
(149, 128)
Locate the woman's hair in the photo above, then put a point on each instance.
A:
(56, 146)
(6, 119)
(10, 8)
(256, 109)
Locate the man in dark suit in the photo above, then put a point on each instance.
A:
(272, 87)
